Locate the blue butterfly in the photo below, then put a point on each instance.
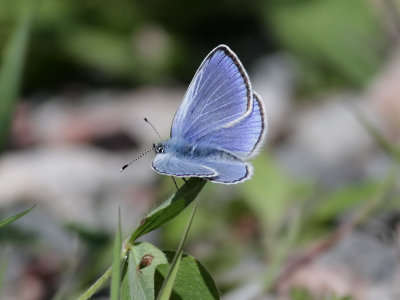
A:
(219, 125)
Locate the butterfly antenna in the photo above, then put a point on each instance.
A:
(137, 158)
(148, 122)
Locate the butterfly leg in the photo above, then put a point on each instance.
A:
(173, 179)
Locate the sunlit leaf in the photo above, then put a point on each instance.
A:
(138, 282)
(192, 280)
(170, 208)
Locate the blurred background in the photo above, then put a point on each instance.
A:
(320, 218)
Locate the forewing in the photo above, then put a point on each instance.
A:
(169, 164)
(243, 137)
(219, 93)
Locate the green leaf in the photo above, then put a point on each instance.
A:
(116, 266)
(138, 282)
(166, 289)
(11, 71)
(15, 217)
(192, 281)
(170, 208)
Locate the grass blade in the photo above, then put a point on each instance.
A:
(11, 70)
(166, 288)
(378, 137)
(15, 217)
(95, 287)
(3, 270)
(116, 266)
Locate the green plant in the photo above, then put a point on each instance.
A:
(145, 272)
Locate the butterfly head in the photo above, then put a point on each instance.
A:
(159, 148)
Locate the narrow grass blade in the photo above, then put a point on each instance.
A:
(116, 266)
(166, 288)
(15, 217)
(95, 287)
(170, 208)
(282, 251)
(3, 269)
(378, 137)
(11, 70)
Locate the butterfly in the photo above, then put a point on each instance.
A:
(218, 127)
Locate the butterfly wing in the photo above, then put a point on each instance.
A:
(221, 171)
(219, 94)
(169, 164)
(218, 111)
(242, 137)
(230, 172)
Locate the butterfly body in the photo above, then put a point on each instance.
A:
(184, 150)
(219, 125)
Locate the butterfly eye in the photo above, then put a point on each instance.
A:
(160, 149)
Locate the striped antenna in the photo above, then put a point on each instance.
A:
(137, 158)
(148, 122)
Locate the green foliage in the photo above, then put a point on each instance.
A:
(99, 246)
(169, 208)
(138, 282)
(148, 267)
(302, 294)
(86, 36)
(139, 260)
(14, 218)
(335, 40)
(3, 269)
(271, 193)
(344, 199)
(378, 137)
(192, 280)
(116, 266)
(141, 42)
(168, 284)
(11, 71)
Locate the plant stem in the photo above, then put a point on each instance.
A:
(272, 272)
(104, 278)
(97, 285)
